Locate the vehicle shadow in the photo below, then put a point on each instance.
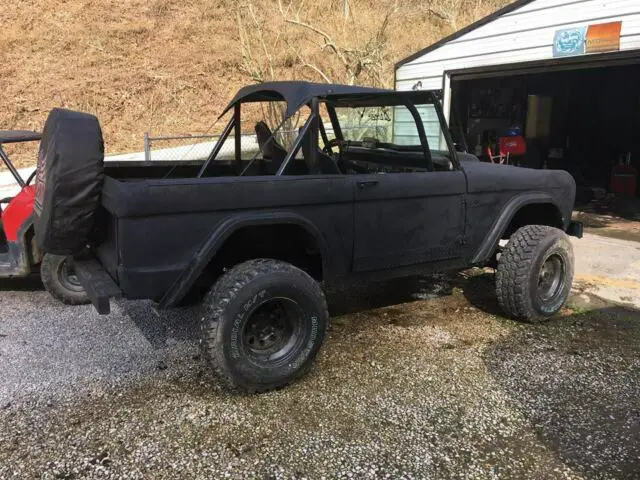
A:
(21, 284)
(480, 291)
(359, 298)
(162, 327)
(577, 381)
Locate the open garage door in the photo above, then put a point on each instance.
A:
(582, 116)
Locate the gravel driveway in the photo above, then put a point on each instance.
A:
(435, 388)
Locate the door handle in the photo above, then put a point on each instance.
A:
(370, 184)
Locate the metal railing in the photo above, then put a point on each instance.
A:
(194, 148)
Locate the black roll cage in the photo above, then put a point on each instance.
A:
(316, 129)
(16, 136)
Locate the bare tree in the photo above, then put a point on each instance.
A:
(457, 13)
(446, 11)
(367, 58)
(261, 66)
(346, 9)
(253, 35)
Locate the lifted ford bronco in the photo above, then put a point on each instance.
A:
(369, 187)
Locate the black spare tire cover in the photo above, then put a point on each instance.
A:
(68, 181)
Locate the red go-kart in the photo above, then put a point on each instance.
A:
(19, 254)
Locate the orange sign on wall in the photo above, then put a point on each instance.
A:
(604, 37)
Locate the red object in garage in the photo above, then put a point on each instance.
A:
(507, 148)
(624, 180)
(514, 145)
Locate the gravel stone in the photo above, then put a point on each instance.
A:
(436, 388)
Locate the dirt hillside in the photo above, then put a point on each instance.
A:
(168, 66)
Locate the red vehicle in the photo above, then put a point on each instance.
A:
(19, 254)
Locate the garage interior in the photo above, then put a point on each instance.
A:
(584, 119)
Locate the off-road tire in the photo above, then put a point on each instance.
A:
(518, 278)
(55, 277)
(230, 309)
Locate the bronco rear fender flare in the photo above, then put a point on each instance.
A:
(490, 242)
(221, 234)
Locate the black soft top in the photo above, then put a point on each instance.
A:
(297, 94)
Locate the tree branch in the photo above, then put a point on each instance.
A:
(328, 40)
(318, 71)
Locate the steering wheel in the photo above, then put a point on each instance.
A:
(31, 177)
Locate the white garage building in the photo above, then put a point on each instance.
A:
(565, 73)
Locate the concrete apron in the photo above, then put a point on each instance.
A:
(608, 268)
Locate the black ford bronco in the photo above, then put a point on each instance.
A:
(341, 184)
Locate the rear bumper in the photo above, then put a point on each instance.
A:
(575, 229)
(97, 283)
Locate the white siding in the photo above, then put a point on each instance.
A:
(523, 35)
(405, 131)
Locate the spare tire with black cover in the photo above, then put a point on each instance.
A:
(68, 181)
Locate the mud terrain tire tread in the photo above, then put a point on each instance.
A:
(222, 300)
(527, 247)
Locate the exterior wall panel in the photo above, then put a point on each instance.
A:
(404, 127)
(523, 35)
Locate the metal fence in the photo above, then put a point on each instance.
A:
(198, 147)
(195, 147)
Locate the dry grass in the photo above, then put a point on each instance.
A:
(168, 66)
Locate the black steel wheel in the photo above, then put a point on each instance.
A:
(60, 279)
(535, 273)
(67, 276)
(551, 278)
(273, 330)
(263, 324)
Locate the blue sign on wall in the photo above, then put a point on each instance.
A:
(568, 43)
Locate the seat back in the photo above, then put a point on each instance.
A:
(272, 152)
(325, 164)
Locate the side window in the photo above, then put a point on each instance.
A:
(367, 122)
(405, 131)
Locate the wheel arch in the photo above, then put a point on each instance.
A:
(526, 209)
(25, 255)
(27, 241)
(224, 233)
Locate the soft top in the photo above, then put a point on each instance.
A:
(298, 93)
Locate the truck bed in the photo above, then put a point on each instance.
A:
(155, 226)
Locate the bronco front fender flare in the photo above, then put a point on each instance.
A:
(220, 234)
(490, 242)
